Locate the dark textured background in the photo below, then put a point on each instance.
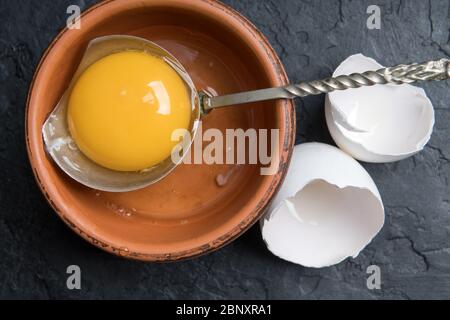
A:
(311, 37)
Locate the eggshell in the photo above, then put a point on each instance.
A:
(382, 123)
(328, 208)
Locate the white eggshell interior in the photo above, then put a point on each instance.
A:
(327, 209)
(378, 123)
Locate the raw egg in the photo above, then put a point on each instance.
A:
(123, 110)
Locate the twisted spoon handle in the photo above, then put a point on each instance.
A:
(403, 73)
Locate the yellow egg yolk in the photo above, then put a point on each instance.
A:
(123, 109)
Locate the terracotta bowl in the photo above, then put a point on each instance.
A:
(186, 214)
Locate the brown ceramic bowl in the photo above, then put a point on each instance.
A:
(186, 214)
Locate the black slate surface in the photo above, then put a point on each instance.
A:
(312, 38)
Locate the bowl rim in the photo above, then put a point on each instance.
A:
(256, 212)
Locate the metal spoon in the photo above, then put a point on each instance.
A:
(74, 163)
(403, 73)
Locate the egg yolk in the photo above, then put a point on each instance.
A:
(123, 109)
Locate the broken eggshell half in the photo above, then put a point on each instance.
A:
(328, 208)
(382, 123)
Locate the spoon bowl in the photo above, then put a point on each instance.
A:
(73, 162)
